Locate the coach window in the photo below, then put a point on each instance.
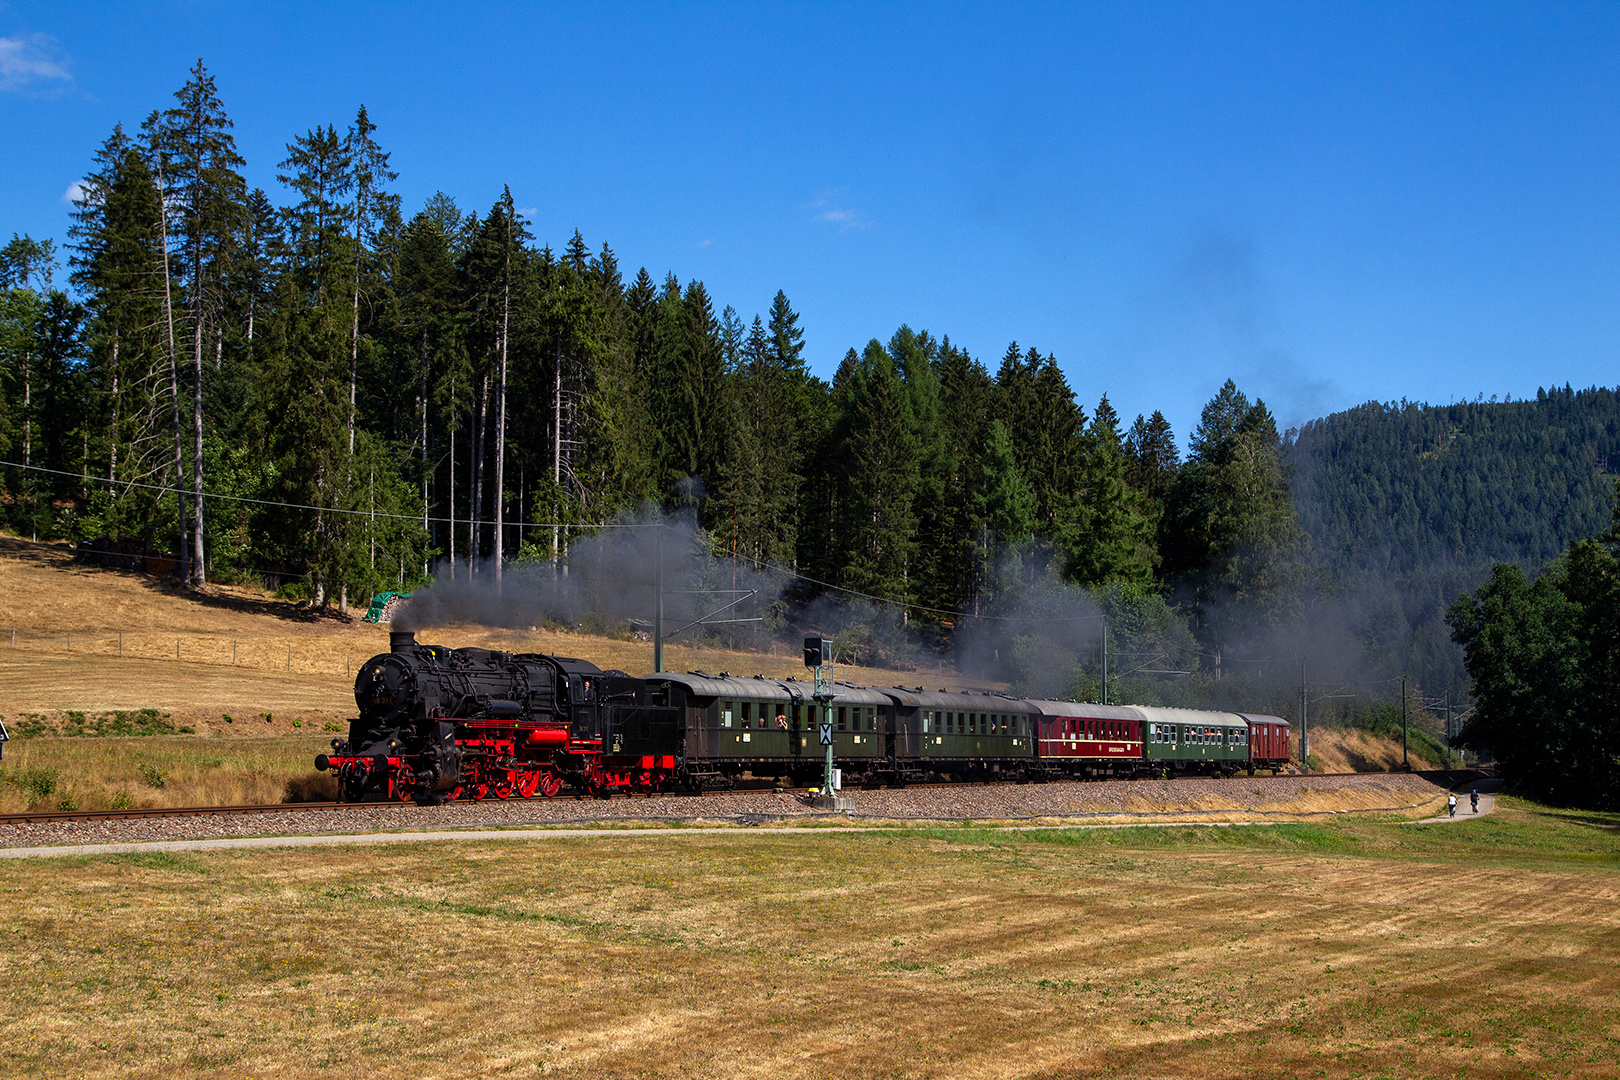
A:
(747, 712)
(843, 715)
(725, 714)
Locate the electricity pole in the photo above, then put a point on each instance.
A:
(658, 607)
(1304, 724)
(1405, 764)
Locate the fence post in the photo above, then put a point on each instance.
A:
(233, 652)
(177, 650)
(120, 643)
(289, 658)
(70, 642)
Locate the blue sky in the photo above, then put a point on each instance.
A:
(1329, 203)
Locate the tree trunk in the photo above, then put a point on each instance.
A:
(450, 502)
(174, 378)
(112, 432)
(500, 420)
(422, 406)
(556, 459)
(475, 524)
(198, 569)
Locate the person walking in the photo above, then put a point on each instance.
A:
(1473, 799)
(1451, 804)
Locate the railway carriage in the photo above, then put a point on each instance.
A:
(1194, 740)
(1084, 739)
(968, 736)
(1268, 741)
(769, 727)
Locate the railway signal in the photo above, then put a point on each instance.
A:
(819, 656)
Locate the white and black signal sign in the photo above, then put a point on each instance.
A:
(826, 734)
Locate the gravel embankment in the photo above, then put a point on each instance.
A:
(1197, 799)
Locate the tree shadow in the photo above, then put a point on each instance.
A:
(63, 558)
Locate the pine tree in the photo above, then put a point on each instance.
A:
(1153, 458)
(1002, 506)
(208, 196)
(880, 464)
(367, 173)
(117, 266)
(1107, 536)
(1231, 536)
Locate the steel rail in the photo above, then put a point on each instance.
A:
(161, 812)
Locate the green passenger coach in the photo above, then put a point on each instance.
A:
(1192, 740)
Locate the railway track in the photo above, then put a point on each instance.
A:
(161, 812)
(278, 808)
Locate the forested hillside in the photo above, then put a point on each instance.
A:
(1408, 506)
(323, 390)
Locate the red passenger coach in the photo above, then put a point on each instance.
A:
(1268, 741)
(1082, 739)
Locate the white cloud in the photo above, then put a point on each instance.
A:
(827, 210)
(27, 64)
(528, 211)
(704, 243)
(75, 191)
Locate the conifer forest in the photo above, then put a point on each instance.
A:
(330, 393)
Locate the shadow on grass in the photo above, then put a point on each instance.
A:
(63, 558)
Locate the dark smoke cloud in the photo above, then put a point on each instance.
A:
(608, 579)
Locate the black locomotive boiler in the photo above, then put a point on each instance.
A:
(437, 724)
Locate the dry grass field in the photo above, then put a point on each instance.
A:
(1486, 948)
(90, 639)
(102, 774)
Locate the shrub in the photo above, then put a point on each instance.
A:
(295, 590)
(35, 784)
(151, 775)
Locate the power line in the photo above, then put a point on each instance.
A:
(165, 489)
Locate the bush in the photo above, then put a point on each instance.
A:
(35, 784)
(151, 775)
(295, 590)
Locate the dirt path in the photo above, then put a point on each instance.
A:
(1487, 803)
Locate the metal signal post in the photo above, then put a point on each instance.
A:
(818, 657)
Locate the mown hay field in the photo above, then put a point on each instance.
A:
(75, 637)
(1485, 948)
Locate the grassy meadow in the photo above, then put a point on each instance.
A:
(89, 773)
(1485, 948)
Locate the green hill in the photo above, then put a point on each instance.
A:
(1409, 505)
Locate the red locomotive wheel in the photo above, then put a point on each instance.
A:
(528, 782)
(550, 784)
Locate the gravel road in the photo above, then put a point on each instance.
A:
(1196, 799)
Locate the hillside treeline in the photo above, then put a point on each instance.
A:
(1409, 506)
(382, 393)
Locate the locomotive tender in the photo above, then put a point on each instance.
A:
(437, 724)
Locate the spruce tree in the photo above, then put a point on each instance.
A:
(207, 200)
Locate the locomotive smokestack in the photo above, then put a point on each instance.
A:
(401, 640)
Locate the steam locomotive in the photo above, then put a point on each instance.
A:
(437, 724)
